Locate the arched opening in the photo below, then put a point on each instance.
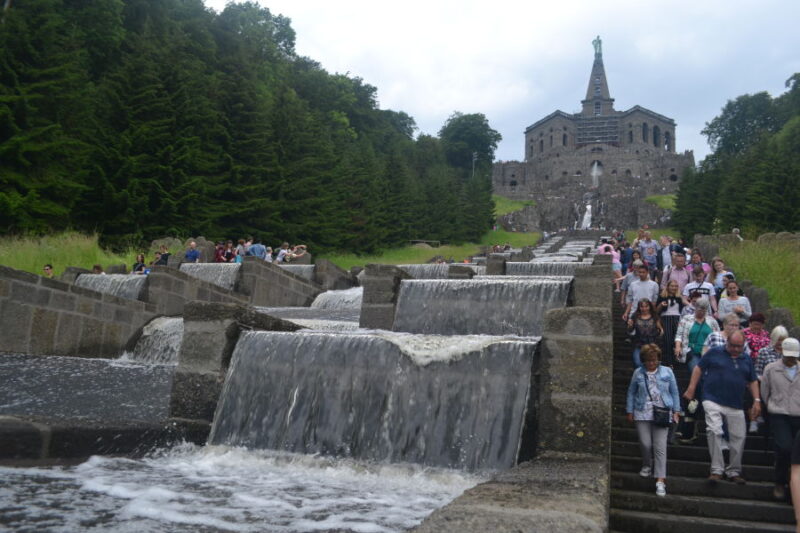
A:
(596, 149)
(564, 140)
(530, 149)
(630, 137)
(551, 141)
(628, 172)
(656, 136)
(673, 177)
(667, 141)
(645, 133)
(513, 183)
(541, 145)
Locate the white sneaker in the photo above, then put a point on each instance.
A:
(753, 427)
(645, 471)
(661, 488)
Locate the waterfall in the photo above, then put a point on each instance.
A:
(596, 172)
(223, 275)
(427, 270)
(304, 271)
(555, 258)
(160, 342)
(560, 268)
(458, 402)
(496, 306)
(122, 285)
(586, 223)
(344, 299)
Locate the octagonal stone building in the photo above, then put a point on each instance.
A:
(594, 167)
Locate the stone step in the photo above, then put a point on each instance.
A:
(702, 506)
(693, 453)
(628, 434)
(639, 522)
(696, 469)
(691, 486)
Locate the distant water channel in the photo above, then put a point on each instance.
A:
(217, 488)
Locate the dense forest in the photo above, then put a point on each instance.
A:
(145, 118)
(751, 180)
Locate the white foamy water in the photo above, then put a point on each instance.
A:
(218, 488)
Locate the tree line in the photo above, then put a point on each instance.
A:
(751, 180)
(139, 119)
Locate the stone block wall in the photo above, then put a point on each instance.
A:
(170, 290)
(268, 285)
(41, 316)
(381, 287)
(330, 277)
(210, 333)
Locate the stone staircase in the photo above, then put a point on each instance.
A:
(692, 503)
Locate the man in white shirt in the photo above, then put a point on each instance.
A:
(282, 253)
(699, 284)
(643, 287)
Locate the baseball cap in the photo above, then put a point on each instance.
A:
(791, 347)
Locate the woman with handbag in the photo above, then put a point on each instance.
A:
(653, 404)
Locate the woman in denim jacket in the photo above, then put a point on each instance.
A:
(663, 392)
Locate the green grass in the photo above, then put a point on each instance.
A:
(415, 254)
(775, 267)
(664, 201)
(61, 250)
(630, 234)
(504, 206)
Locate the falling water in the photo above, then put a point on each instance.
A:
(586, 223)
(304, 271)
(555, 258)
(596, 172)
(561, 268)
(223, 275)
(159, 343)
(344, 299)
(427, 270)
(457, 402)
(122, 285)
(479, 306)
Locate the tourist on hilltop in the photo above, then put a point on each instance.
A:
(139, 266)
(192, 254)
(257, 249)
(281, 257)
(726, 373)
(697, 260)
(629, 278)
(676, 271)
(653, 385)
(756, 336)
(247, 244)
(644, 328)
(699, 284)
(241, 250)
(268, 256)
(643, 287)
(219, 252)
(692, 333)
(717, 275)
(733, 303)
(162, 256)
(300, 250)
(773, 351)
(48, 271)
(97, 269)
(669, 307)
(229, 252)
(780, 390)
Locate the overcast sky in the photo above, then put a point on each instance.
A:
(517, 62)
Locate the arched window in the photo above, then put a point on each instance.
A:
(656, 136)
(645, 133)
(541, 145)
(551, 140)
(564, 140)
(667, 141)
(630, 137)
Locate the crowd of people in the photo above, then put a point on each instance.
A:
(681, 310)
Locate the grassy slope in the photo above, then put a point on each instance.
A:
(664, 201)
(504, 206)
(775, 267)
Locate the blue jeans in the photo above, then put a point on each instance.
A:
(637, 358)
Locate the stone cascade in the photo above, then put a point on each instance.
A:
(159, 343)
(427, 271)
(553, 268)
(458, 402)
(343, 299)
(493, 306)
(128, 286)
(304, 271)
(225, 275)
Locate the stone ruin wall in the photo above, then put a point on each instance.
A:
(561, 184)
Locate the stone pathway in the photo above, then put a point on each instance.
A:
(692, 504)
